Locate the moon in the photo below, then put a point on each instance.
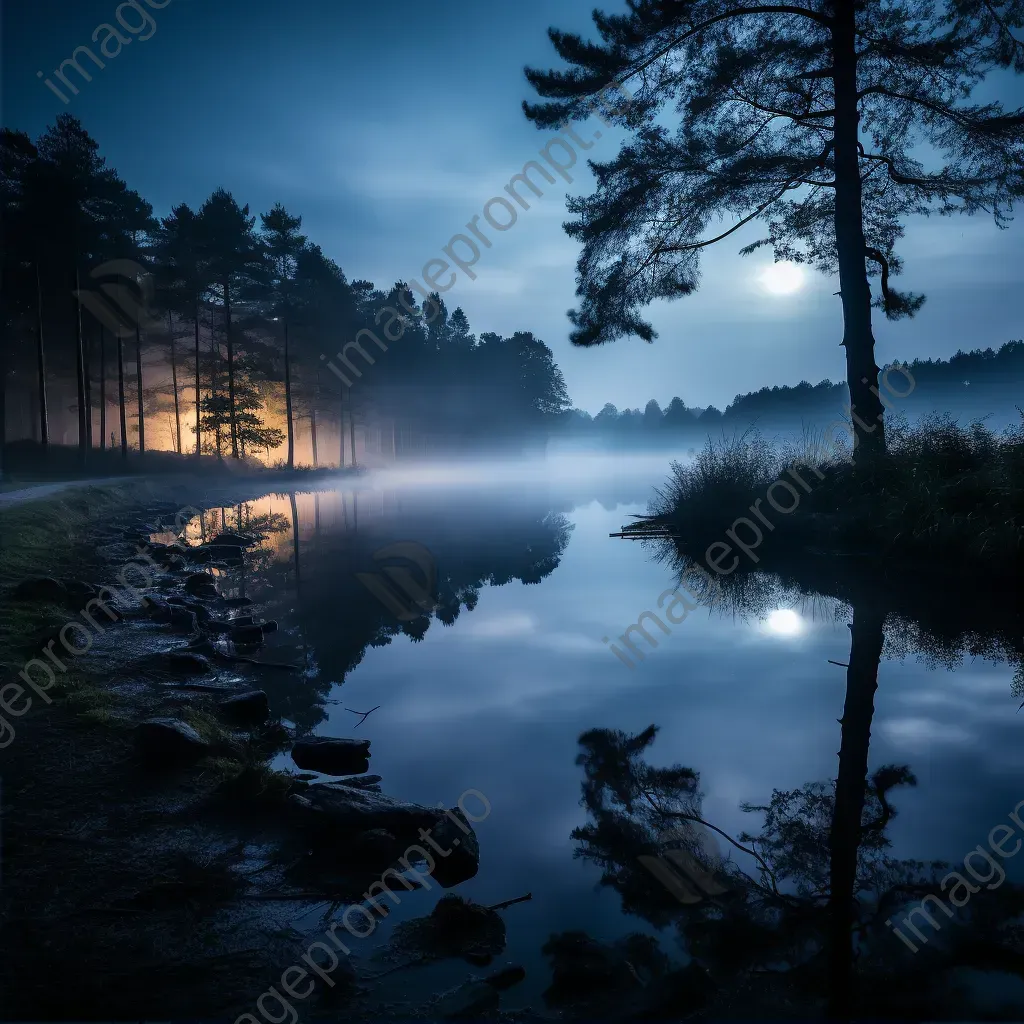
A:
(783, 278)
(784, 622)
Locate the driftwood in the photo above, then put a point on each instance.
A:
(511, 903)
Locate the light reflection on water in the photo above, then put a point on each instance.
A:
(494, 692)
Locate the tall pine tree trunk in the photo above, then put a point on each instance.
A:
(122, 408)
(312, 434)
(83, 436)
(174, 381)
(845, 839)
(341, 427)
(3, 403)
(199, 446)
(861, 370)
(288, 399)
(231, 370)
(351, 427)
(139, 389)
(103, 389)
(44, 426)
(87, 368)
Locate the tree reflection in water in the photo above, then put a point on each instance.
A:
(795, 923)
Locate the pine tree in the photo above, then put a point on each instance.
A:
(284, 246)
(234, 258)
(815, 118)
(183, 279)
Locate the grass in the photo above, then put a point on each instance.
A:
(943, 491)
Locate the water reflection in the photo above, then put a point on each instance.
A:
(491, 684)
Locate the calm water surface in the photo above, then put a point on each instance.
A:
(492, 692)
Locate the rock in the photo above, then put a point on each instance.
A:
(41, 588)
(360, 782)
(201, 613)
(506, 977)
(241, 620)
(377, 846)
(246, 635)
(181, 663)
(332, 756)
(464, 860)
(157, 609)
(270, 626)
(235, 540)
(201, 584)
(470, 999)
(216, 626)
(237, 602)
(333, 808)
(184, 621)
(218, 553)
(608, 980)
(79, 593)
(454, 928)
(252, 706)
(169, 739)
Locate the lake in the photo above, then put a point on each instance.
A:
(491, 690)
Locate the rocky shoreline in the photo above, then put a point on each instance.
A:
(141, 778)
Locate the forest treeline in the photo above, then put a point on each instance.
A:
(974, 383)
(236, 330)
(231, 334)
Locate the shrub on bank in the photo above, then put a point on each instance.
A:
(943, 490)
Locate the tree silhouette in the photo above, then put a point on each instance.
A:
(234, 259)
(808, 117)
(284, 246)
(183, 280)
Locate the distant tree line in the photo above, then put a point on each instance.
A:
(973, 382)
(215, 317)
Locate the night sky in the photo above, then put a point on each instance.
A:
(388, 125)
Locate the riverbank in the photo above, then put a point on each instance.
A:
(946, 497)
(28, 463)
(153, 863)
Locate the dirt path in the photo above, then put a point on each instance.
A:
(11, 498)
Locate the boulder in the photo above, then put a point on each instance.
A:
(270, 626)
(250, 707)
(79, 593)
(202, 613)
(328, 807)
(378, 846)
(235, 540)
(506, 977)
(41, 588)
(464, 860)
(216, 626)
(201, 584)
(246, 635)
(217, 553)
(241, 620)
(168, 739)
(360, 781)
(237, 602)
(183, 620)
(157, 609)
(331, 756)
(471, 999)
(182, 663)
